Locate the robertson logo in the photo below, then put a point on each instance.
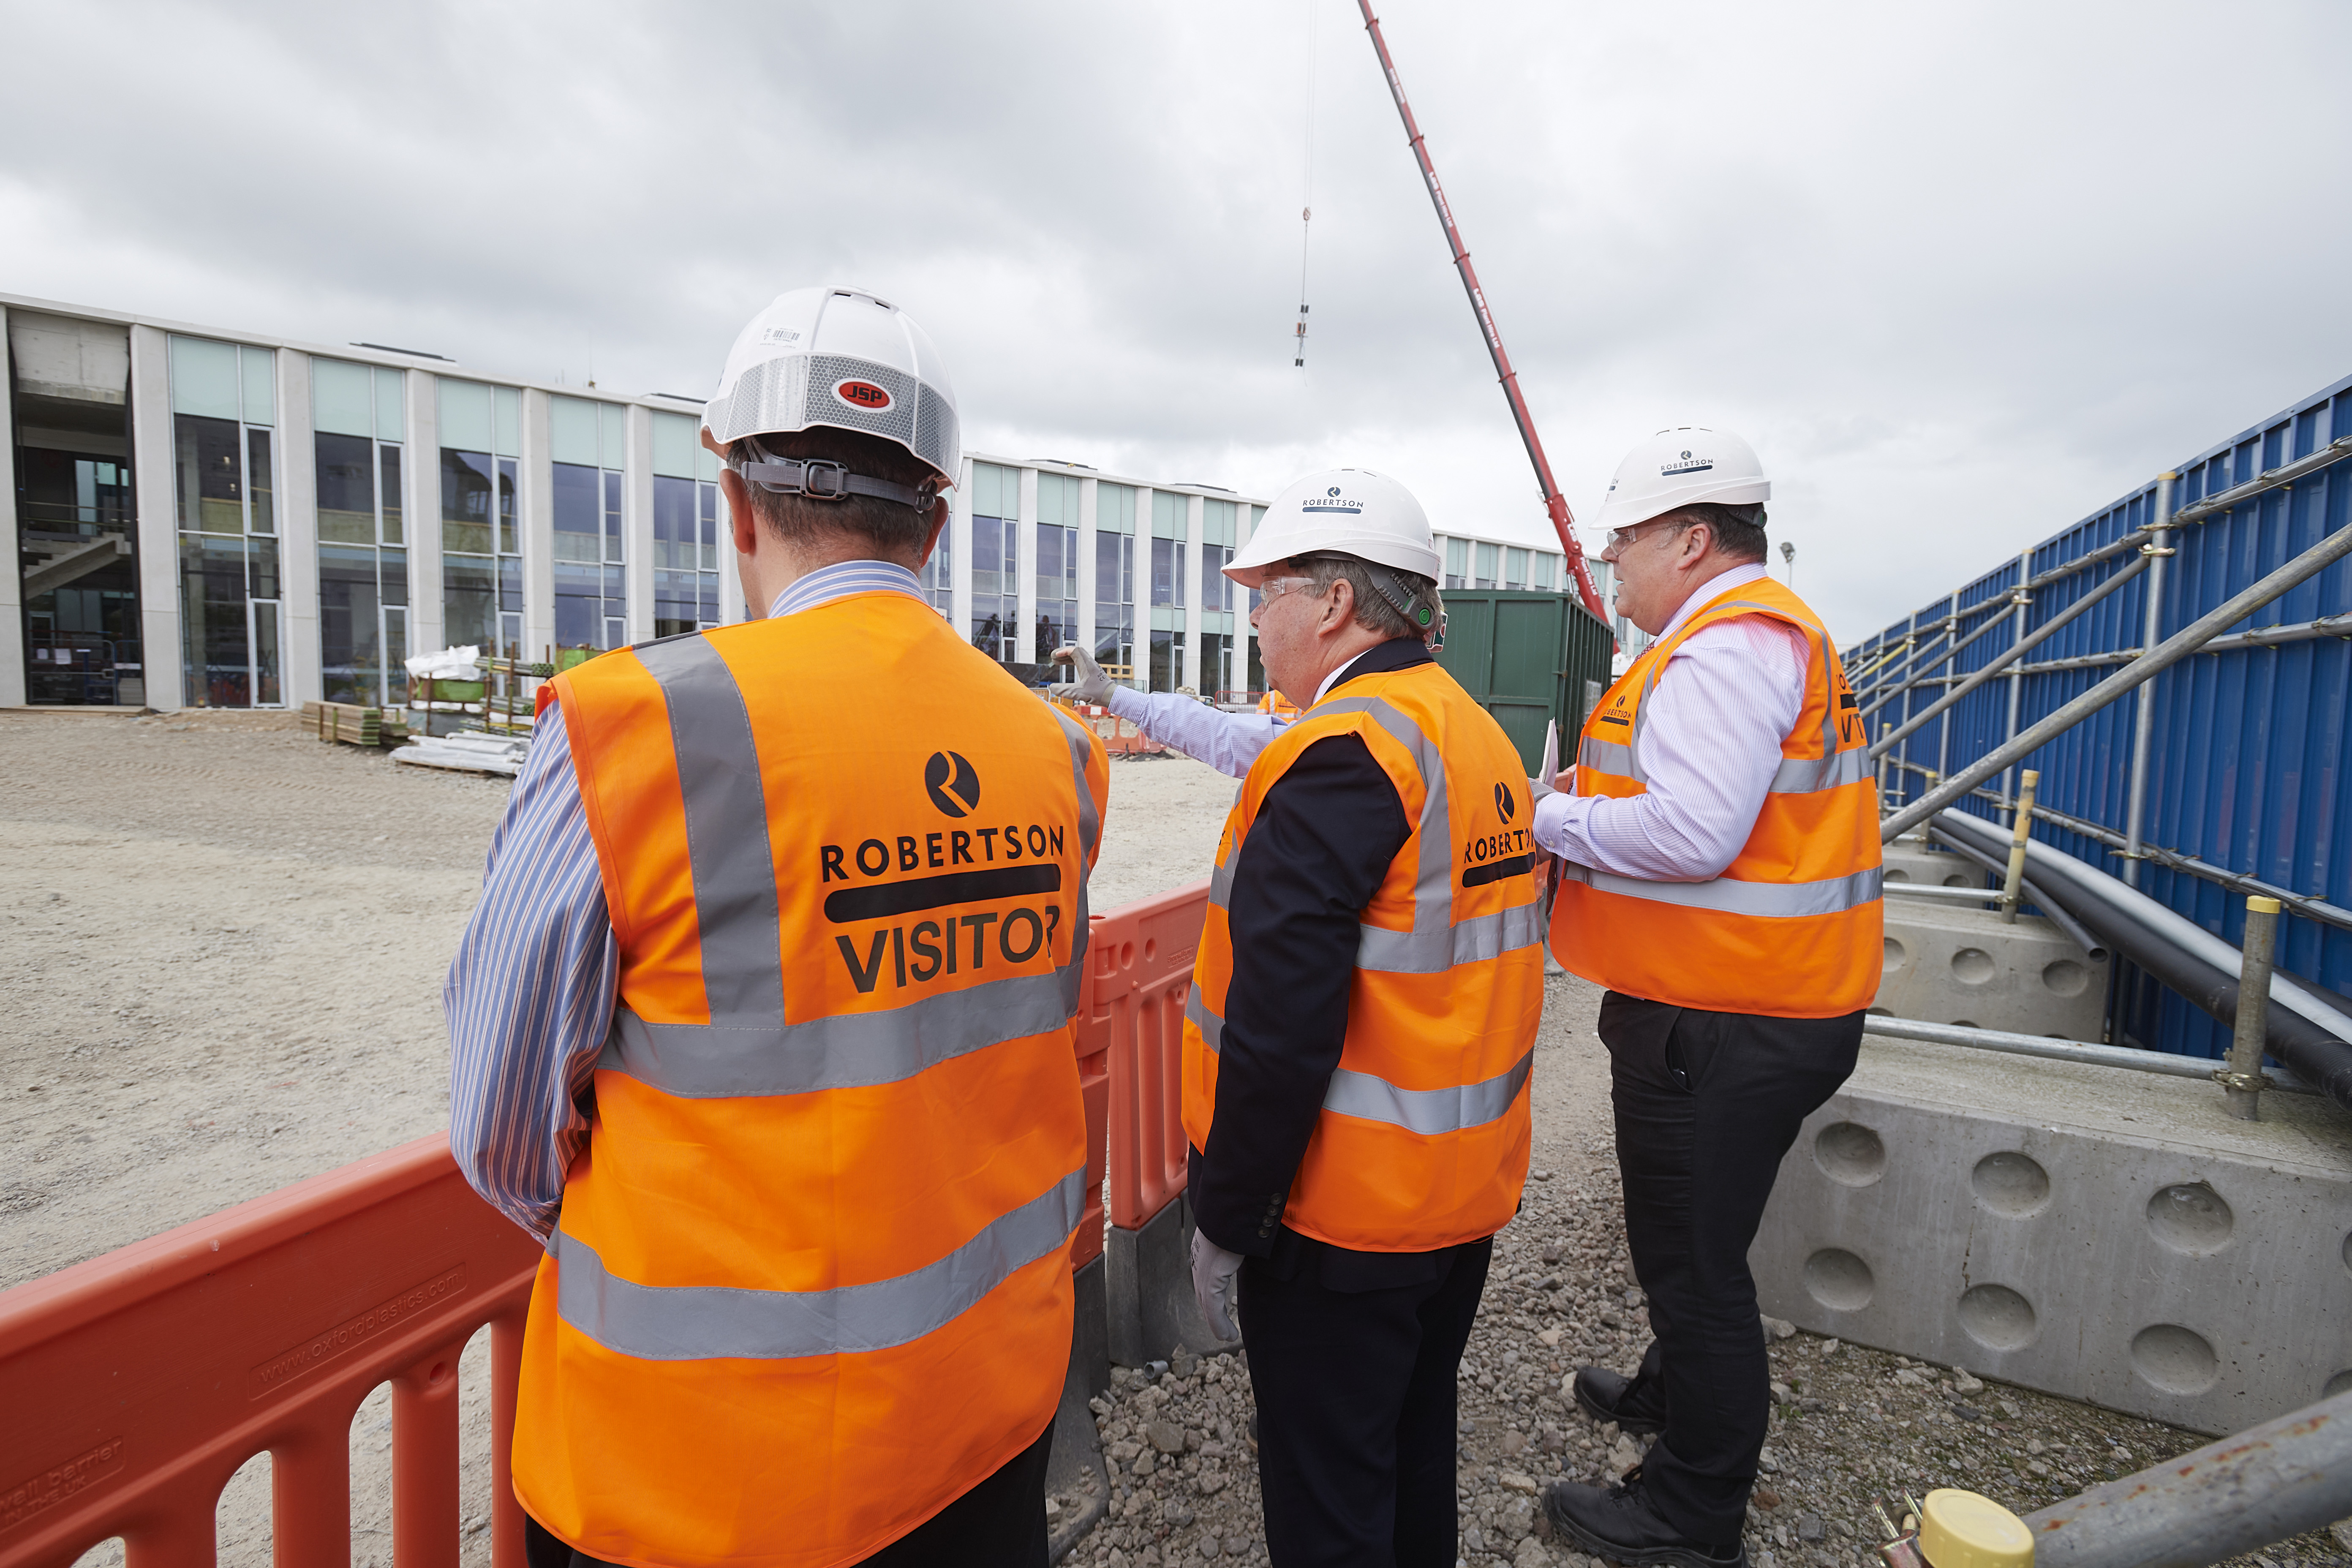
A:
(862, 395)
(1504, 802)
(949, 779)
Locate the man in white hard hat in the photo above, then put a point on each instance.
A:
(1721, 878)
(1361, 1029)
(807, 1183)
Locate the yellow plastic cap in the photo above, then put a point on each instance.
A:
(1963, 1530)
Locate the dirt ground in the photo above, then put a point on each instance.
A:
(222, 943)
(222, 946)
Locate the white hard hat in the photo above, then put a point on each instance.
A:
(1680, 468)
(839, 358)
(1344, 512)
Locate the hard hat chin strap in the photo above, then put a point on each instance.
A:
(818, 479)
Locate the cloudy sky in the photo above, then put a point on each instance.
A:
(1962, 273)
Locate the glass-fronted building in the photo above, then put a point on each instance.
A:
(204, 518)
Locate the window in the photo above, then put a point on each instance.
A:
(358, 419)
(1547, 566)
(1515, 568)
(1489, 562)
(224, 409)
(995, 560)
(1115, 580)
(1056, 561)
(1457, 563)
(481, 539)
(686, 527)
(1219, 535)
(586, 440)
(1169, 528)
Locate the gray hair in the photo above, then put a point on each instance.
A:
(1378, 608)
(1738, 531)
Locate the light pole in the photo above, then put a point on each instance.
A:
(1789, 556)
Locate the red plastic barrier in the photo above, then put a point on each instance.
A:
(1139, 972)
(136, 1383)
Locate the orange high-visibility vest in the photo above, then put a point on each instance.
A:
(811, 1282)
(1423, 1139)
(1792, 928)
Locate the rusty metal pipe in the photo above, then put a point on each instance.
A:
(2265, 1484)
(2021, 829)
(2242, 1079)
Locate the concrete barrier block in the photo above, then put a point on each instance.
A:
(1151, 1304)
(1076, 1445)
(2094, 1233)
(1947, 964)
(1909, 860)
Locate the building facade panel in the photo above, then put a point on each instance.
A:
(265, 522)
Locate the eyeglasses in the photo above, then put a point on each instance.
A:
(1615, 544)
(1272, 588)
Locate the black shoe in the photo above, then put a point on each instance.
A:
(1602, 1394)
(1618, 1522)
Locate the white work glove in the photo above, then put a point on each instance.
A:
(1091, 685)
(1214, 1271)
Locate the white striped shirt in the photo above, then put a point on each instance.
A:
(530, 990)
(1710, 745)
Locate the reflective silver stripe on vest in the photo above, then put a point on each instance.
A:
(848, 1050)
(1433, 945)
(1211, 1025)
(1428, 1111)
(704, 1322)
(1081, 742)
(1772, 900)
(1473, 940)
(747, 1048)
(1808, 775)
(726, 830)
(1606, 756)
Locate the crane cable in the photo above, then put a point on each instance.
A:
(1307, 208)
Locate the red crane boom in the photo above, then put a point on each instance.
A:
(1555, 503)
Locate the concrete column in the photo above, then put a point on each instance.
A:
(427, 625)
(536, 505)
(1189, 567)
(637, 522)
(304, 679)
(12, 572)
(730, 577)
(1025, 559)
(1144, 608)
(1242, 634)
(959, 541)
(1089, 494)
(152, 500)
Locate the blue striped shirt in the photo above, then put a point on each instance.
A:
(529, 995)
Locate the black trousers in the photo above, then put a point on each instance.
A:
(1354, 1375)
(1000, 1523)
(1706, 1105)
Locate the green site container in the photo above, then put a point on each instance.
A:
(1527, 658)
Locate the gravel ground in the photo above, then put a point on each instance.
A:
(1849, 1424)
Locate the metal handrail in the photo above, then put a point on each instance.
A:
(2180, 645)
